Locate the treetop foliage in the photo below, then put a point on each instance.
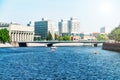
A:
(102, 37)
(4, 35)
(115, 34)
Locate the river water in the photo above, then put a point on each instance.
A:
(63, 63)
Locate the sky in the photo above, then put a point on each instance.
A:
(93, 14)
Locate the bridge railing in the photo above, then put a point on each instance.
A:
(56, 41)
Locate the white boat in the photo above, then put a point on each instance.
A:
(95, 52)
(53, 47)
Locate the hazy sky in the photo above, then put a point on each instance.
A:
(93, 14)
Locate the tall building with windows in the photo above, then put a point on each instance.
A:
(74, 26)
(18, 32)
(42, 28)
(71, 27)
(102, 30)
(63, 27)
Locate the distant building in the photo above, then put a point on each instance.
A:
(3, 24)
(31, 23)
(102, 30)
(82, 35)
(42, 28)
(63, 27)
(18, 32)
(74, 26)
(70, 27)
(95, 34)
(89, 37)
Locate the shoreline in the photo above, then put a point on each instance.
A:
(6, 45)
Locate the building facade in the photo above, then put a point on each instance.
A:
(74, 26)
(63, 27)
(70, 27)
(21, 33)
(95, 34)
(42, 28)
(102, 30)
(18, 32)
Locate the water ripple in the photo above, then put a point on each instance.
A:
(65, 63)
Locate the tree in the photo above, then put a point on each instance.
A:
(56, 37)
(37, 38)
(60, 38)
(4, 36)
(115, 34)
(102, 37)
(66, 37)
(49, 36)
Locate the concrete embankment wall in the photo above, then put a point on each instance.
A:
(61, 44)
(35, 44)
(111, 46)
(5, 45)
(56, 44)
(68, 44)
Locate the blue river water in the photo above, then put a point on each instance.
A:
(63, 63)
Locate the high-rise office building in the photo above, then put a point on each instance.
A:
(63, 27)
(102, 30)
(74, 26)
(42, 28)
(70, 27)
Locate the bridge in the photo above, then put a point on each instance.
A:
(50, 43)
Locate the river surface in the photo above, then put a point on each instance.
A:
(63, 63)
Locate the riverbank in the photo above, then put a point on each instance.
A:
(111, 46)
(5, 45)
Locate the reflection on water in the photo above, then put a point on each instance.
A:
(64, 63)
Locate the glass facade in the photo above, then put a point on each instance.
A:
(43, 27)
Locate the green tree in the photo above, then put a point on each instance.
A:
(115, 34)
(49, 36)
(37, 38)
(102, 37)
(56, 37)
(60, 38)
(66, 37)
(4, 35)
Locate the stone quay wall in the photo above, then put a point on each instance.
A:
(111, 46)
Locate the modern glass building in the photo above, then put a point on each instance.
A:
(42, 28)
